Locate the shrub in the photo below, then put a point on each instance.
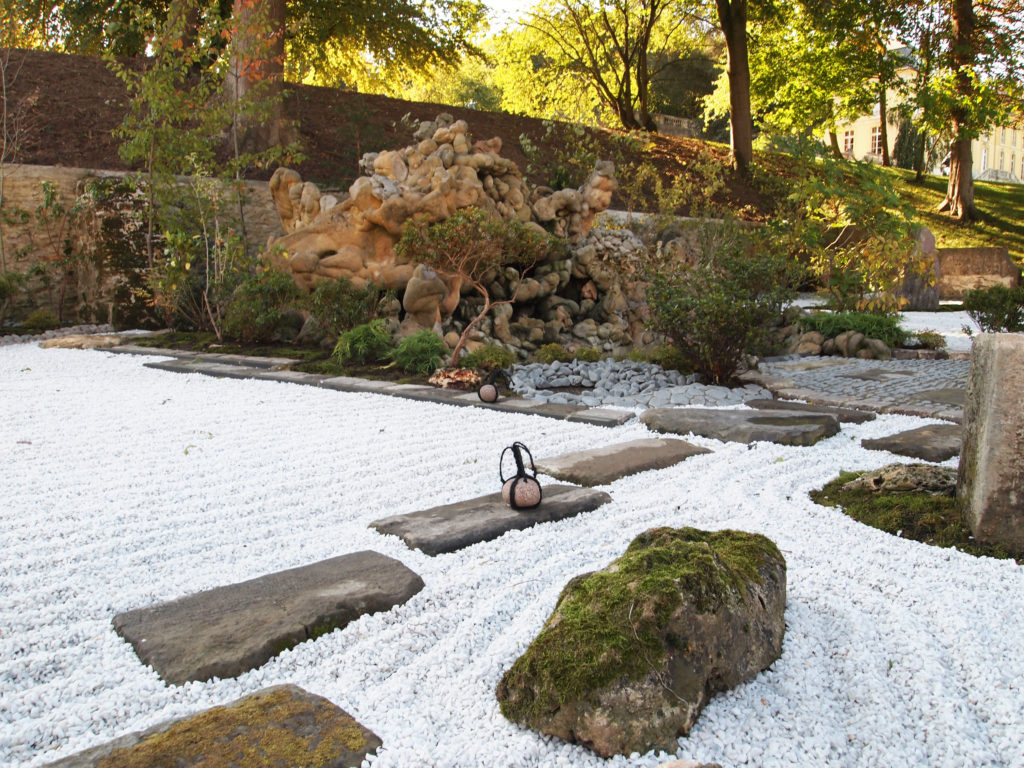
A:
(831, 324)
(930, 340)
(365, 343)
(40, 320)
(551, 353)
(997, 309)
(337, 306)
(588, 354)
(719, 309)
(421, 353)
(665, 355)
(488, 357)
(258, 306)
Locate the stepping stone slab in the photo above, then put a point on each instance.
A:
(278, 727)
(948, 396)
(454, 526)
(936, 442)
(782, 427)
(229, 630)
(845, 415)
(601, 466)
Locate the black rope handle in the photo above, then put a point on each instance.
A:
(517, 449)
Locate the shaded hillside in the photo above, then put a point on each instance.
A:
(78, 102)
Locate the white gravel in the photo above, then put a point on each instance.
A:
(124, 486)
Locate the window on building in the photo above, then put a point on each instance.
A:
(1013, 162)
(848, 143)
(1001, 159)
(984, 159)
(876, 141)
(1002, 139)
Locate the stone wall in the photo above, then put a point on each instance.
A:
(963, 269)
(23, 189)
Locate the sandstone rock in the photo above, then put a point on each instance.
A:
(848, 342)
(990, 483)
(600, 466)
(879, 349)
(278, 727)
(423, 296)
(83, 341)
(935, 442)
(904, 478)
(783, 427)
(682, 614)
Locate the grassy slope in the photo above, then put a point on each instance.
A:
(1001, 206)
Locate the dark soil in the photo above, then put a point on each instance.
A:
(77, 102)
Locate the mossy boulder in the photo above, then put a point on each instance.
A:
(632, 653)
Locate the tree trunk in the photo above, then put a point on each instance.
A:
(883, 129)
(257, 56)
(959, 202)
(833, 142)
(732, 17)
(919, 148)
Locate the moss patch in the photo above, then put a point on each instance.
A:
(610, 623)
(916, 515)
(266, 729)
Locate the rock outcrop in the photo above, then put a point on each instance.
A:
(632, 653)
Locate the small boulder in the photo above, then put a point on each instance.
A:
(632, 653)
(906, 478)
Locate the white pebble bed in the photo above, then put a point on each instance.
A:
(124, 486)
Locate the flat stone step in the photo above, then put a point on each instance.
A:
(278, 727)
(845, 415)
(229, 630)
(454, 526)
(600, 466)
(783, 427)
(935, 442)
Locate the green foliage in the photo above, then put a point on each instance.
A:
(587, 354)
(997, 309)
(874, 326)
(611, 623)
(369, 342)
(930, 340)
(338, 306)
(489, 357)
(665, 355)
(720, 309)
(552, 352)
(915, 515)
(421, 353)
(10, 284)
(40, 320)
(258, 305)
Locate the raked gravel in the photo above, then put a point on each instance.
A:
(124, 486)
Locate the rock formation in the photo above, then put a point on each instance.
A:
(632, 653)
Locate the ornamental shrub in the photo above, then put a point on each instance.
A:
(366, 343)
(421, 353)
(258, 306)
(588, 354)
(721, 308)
(40, 320)
(874, 326)
(998, 309)
(489, 357)
(550, 353)
(338, 306)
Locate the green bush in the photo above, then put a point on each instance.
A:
(831, 324)
(551, 353)
(998, 309)
(720, 309)
(258, 306)
(337, 306)
(587, 354)
(489, 357)
(930, 340)
(665, 355)
(366, 343)
(421, 353)
(40, 320)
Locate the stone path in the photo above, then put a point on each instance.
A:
(782, 427)
(229, 630)
(454, 526)
(607, 464)
(928, 388)
(279, 727)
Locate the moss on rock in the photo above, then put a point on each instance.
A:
(611, 623)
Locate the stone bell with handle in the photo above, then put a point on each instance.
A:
(520, 491)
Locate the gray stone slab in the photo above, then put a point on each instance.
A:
(288, 377)
(954, 396)
(601, 417)
(600, 466)
(846, 415)
(252, 361)
(352, 384)
(935, 442)
(217, 370)
(879, 374)
(229, 630)
(555, 410)
(278, 727)
(454, 526)
(783, 427)
(430, 394)
(135, 349)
